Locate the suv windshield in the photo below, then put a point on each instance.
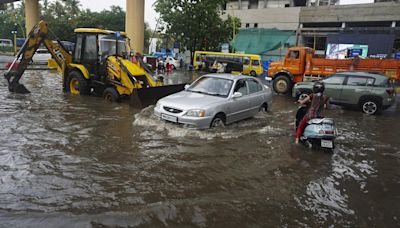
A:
(107, 45)
(212, 86)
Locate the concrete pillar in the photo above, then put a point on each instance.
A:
(31, 14)
(134, 24)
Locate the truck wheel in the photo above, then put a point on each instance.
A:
(369, 106)
(253, 73)
(77, 84)
(110, 94)
(282, 84)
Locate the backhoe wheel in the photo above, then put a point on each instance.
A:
(110, 94)
(253, 73)
(77, 84)
(282, 84)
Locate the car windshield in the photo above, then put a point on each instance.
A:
(107, 45)
(212, 86)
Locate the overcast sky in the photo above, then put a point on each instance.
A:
(150, 15)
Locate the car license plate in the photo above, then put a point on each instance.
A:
(169, 118)
(326, 143)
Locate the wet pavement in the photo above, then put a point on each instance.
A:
(70, 161)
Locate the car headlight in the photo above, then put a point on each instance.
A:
(196, 113)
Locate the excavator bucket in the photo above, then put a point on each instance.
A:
(144, 97)
(13, 77)
(18, 88)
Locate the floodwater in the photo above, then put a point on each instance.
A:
(70, 161)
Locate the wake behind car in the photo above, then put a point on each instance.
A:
(214, 100)
(371, 92)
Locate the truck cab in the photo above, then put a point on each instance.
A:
(285, 73)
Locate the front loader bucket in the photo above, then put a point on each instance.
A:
(144, 97)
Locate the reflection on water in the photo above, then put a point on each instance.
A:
(70, 161)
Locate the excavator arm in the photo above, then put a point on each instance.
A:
(37, 36)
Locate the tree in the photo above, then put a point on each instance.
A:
(233, 24)
(196, 24)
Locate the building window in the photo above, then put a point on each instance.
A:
(247, 25)
(253, 4)
(318, 42)
(255, 25)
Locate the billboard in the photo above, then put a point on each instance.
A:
(346, 51)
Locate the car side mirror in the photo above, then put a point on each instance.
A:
(237, 95)
(187, 86)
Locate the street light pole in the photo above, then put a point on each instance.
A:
(14, 32)
(233, 27)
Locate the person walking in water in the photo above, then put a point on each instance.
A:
(319, 103)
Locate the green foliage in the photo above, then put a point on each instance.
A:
(233, 24)
(12, 18)
(196, 24)
(63, 17)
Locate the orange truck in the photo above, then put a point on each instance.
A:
(299, 65)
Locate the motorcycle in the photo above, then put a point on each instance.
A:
(319, 132)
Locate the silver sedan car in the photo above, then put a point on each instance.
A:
(214, 100)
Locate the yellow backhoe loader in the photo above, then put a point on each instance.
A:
(99, 65)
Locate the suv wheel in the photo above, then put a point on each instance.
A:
(369, 107)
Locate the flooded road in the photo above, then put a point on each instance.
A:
(70, 161)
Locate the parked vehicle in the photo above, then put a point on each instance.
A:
(171, 60)
(214, 100)
(6, 43)
(41, 55)
(371, 92)
(299, 64)
(20, 42)
(236, 62)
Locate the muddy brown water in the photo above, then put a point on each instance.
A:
(70, 161)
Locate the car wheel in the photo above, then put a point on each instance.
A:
(264, 108)
(218, 121)
(369, 107)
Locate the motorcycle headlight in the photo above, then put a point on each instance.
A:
(196, 113)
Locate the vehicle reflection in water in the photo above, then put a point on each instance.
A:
(78, 161)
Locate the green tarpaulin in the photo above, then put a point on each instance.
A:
(258, 41)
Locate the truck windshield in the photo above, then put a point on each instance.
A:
(108, 47)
